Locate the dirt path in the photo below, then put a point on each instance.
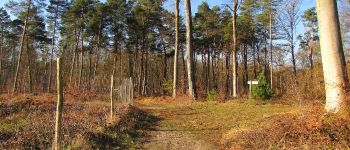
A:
(174, 140)
(165, 136)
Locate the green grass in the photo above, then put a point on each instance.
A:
(210, 120)
(13, 125)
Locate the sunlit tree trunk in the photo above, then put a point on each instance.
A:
(176, 46)
(335, 74)
(189, 56)
(21, 47)
(234, 59)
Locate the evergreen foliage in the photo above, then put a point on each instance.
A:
(262, 90)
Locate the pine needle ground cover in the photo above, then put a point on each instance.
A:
(27, 122)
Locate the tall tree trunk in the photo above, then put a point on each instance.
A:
(227, 64)
(213, 71)
(81, 53)
(21, 47)
(90, 70)
(189, 55)
(245, 66)
(177, 10)
(114, 65)
(183, 71)
(271, 64)
(141, 65)
(44, 88)
(254, 61)
(52, 50)
(266, 61)
(145, 78)
(1, 55)
(81, 59)
(234, 58)
(311, 52)
(71, 75)
(97, 54)
(293, 55)
(208, 70)
(333, 60)
(29, 69)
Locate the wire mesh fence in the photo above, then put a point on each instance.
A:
(124, 92)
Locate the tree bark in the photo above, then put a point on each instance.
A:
(52, 49)
(334, 66)
(189, 55)
(271, 64)
(234, 58)
(81, 59)
(176, 46)
(21, 47)
(183, 72)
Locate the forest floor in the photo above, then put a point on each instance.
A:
(27, 122)
(204, 125)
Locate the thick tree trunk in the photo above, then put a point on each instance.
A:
(334, 67)
(189, 55)
(234, 58)
(177, 10)
(21, 47)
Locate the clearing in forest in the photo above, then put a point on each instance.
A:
(204, 125)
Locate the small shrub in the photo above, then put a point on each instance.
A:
(211, 95)
(262, 90)
(167, 85)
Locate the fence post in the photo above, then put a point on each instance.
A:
(112, 102)
(59, 106)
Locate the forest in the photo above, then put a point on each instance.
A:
(180, 74)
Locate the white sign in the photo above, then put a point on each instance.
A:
(253, 82)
